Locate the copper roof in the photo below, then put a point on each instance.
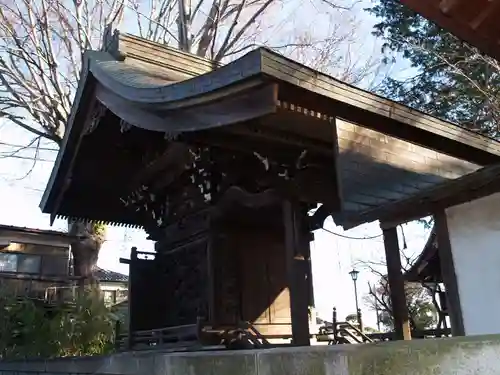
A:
(387, 152)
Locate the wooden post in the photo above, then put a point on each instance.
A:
(297, 270)
(131, 328)
(117, 334)
(334, 324)
(396, 284)
(360, 320)
(449, 277)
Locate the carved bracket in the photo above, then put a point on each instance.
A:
(97, 113)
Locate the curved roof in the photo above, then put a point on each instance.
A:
(386, 151)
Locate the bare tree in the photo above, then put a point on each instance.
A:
(421, 302)
(42, 43)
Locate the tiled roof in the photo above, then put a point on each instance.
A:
(33, 230)
(107, 275)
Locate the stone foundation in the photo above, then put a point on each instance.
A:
(456, 356)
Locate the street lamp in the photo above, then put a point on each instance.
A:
(354, 276)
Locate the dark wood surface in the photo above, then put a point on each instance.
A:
(396, 284)
(243, 275)
(449, 274)
(297, 262)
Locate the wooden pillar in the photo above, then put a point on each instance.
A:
(131, 328)
(396, 284)
(448, 273)
(297, 271)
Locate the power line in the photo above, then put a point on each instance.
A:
(350, 237)
(11, 184)
(25, 158)
(28, 147)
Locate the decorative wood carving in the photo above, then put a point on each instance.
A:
(124, 126)
(187, 286)
(97, 113)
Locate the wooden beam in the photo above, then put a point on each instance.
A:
(396, 285)
(172, 61)
(336, 170)
(326, 96)
(172, 162)
(211, 284)
(297, 269)
(449, 275)
(326, 209)
(239, 197)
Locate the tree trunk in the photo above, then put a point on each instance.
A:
(85, 250)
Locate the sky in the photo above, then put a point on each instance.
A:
(22, 182)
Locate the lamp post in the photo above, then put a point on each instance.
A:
(354, 276)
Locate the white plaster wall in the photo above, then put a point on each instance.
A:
(112, 286)
(474, 229)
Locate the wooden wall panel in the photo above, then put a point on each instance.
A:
(252, 257)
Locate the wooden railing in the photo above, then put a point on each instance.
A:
(351, 334)
(202, 335)
(346, 333)
(32, 285)
(415, 334)
(169, 337)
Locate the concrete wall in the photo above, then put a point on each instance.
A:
(457, 356)
(474, 229)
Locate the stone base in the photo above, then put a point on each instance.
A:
(463, 355)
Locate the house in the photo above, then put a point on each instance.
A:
(113, 285)
(32, 260)
(37, 263)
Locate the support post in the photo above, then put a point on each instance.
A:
(297, 271)
(449, 277)
(396, 284)
(360, 320)
(334, 325)
(131, 328)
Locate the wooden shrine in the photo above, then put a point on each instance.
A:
(221, 271)
(230, 169)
